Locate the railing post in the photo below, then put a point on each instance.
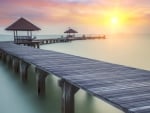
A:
(68, 92)
(41, 77)
(24, 71)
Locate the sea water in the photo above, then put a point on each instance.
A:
(16, 97)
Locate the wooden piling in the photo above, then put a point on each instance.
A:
(15, 65)
(9, 60)
(24, 71)
(4, 56)
(41, 77)
(0, 54)
(67, 99)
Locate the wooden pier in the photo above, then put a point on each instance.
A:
(52, 40)
(37, 42)
(28, 40)
(123, 87)
(61, 40)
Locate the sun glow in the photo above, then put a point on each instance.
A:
(115, 20)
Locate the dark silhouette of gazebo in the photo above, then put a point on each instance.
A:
(70, 32)
(22, 25)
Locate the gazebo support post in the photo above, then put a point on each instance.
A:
(68, 93)
(31, 34)
(14, 37)
(17, 37)
(27, 33)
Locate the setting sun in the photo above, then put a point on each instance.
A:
(117, 17)
(115, 20)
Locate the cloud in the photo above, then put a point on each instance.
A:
(77, 12)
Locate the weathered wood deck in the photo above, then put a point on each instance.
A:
(123, 87)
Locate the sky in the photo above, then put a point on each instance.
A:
(86, 16)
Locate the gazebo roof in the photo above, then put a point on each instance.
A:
(70, 31)
(23, 25)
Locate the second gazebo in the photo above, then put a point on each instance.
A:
(70, 33)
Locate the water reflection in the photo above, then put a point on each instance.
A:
(129, 50)
(86, 103)
(17, 97)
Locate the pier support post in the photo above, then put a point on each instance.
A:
(0, 54)
(9, 60)
(68, 92)
(15, 65)
(24, 71)
(41, 77)
(4, 56)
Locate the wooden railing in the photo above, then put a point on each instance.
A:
(22, 39)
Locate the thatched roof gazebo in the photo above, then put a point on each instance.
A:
(22, 25)
(70, 32)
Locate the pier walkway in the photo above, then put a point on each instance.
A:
(60, 40)
(37, 42)
(123, 87)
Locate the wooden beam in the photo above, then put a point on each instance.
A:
(68, 92)
(41, 77)
(24, 71)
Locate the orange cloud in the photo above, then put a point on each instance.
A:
(74, 12)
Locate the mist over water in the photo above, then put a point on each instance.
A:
(17, 97)
(129, 50)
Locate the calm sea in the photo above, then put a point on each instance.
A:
(129, 50)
